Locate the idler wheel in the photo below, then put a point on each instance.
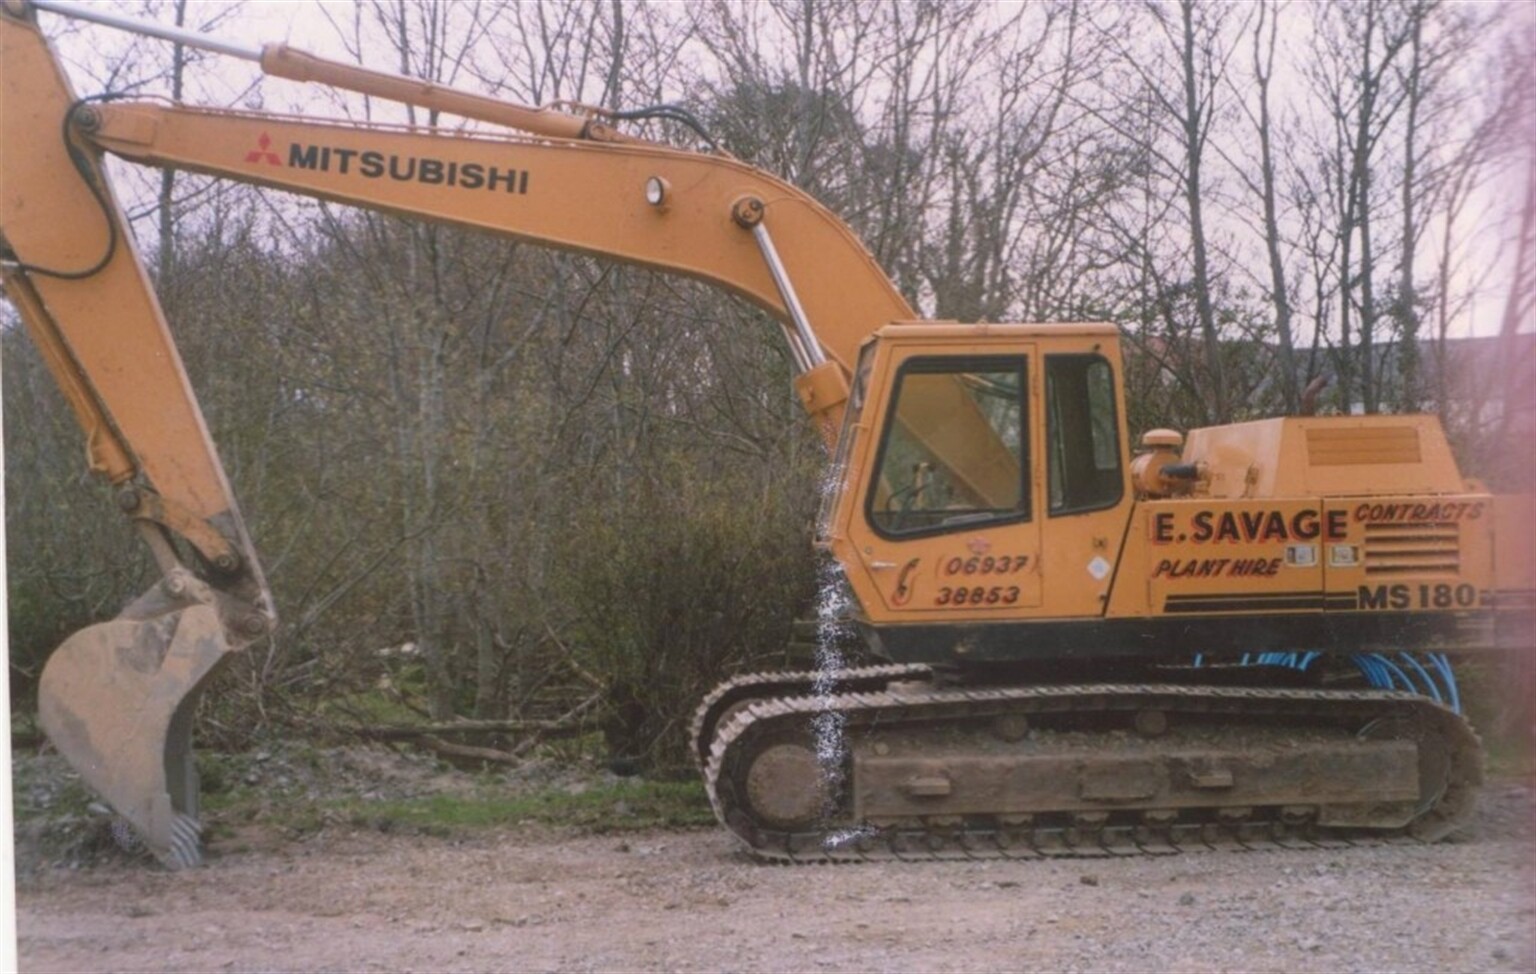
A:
(1447, 790)
(786, 787)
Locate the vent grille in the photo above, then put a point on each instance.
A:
(1413, 548)
(1363, 445)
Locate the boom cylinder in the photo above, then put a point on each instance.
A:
(803, 332)
(282, 61)
(747, 212)
(149, 28)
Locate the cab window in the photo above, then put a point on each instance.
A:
(1083, 434)
(954, 452)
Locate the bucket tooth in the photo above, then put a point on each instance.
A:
(117, 700)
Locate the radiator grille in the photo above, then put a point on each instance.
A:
(1412, 548)
(1356, 445)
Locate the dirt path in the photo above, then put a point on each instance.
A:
(520, 900)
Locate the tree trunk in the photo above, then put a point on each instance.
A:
(166, 258)
(1194, 141)
(1264, 60)
(1407, 304)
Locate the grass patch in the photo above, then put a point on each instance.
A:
(608, 808)
(622, 807)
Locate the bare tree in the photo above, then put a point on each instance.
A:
(1265, 185)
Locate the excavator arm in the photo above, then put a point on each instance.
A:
(117, 698)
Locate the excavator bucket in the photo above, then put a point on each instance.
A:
(117, 700)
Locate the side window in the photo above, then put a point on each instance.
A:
(954, 449)
(1083, 434)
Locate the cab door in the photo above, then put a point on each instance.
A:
(947, 523)
(1086, 503)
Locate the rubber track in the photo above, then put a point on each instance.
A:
(760, 719)
(791, 683)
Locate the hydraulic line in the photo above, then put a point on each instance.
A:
(1437, 681)
(83, 167)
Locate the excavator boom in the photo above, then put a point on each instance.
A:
(581, 196)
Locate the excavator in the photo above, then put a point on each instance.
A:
(1238, 637)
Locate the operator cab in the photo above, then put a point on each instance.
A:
(982, 473)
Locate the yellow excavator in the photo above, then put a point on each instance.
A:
(1237, 637)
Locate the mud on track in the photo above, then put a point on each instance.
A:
(542, 899)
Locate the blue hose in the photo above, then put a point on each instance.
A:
(1437, 681)
(1448, 676)
(1425, 679)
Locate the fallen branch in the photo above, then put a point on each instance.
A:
(466, 751)
(390, 732)
(564, 725)
(569, 720)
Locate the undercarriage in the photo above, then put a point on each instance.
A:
(898, 762)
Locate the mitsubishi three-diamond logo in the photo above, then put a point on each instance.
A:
(263, 152)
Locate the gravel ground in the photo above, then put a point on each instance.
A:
(541, 899)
